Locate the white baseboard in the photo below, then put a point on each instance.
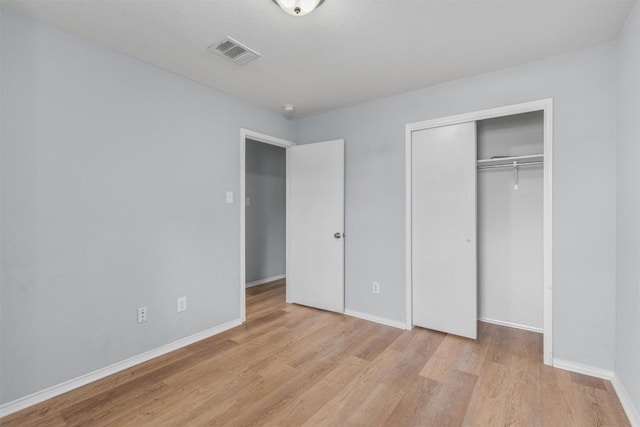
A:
(376, 319)
(58, 389)
(263, 281)
(511, 325)
(627, 404)
(580, 368)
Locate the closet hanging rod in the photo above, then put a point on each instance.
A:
(509, 165)
(510, 158)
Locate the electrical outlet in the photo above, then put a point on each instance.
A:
(247, 201)
(142, 314)
(182, 304)
(229, 197)
(375, 287)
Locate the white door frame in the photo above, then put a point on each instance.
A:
(267, 139)
(544, 105)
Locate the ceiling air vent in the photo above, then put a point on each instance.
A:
(235, 51)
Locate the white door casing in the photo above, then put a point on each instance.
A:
(266, 139)
(315, 253)
(444, 229)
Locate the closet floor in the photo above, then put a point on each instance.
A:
(291, 365)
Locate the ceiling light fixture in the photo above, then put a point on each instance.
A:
(298, 7)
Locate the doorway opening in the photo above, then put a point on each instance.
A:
(263, 196)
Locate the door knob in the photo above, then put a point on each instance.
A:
(337, 235)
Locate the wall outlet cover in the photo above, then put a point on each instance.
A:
(142, 314)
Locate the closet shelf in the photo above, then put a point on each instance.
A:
(508, 161)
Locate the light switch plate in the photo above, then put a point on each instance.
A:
(182, 304)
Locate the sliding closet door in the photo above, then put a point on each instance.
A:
(444, 229)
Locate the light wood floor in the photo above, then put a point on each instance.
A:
(291, 365)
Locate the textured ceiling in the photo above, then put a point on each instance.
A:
(346, 52)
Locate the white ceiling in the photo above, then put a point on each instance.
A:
(346, 52)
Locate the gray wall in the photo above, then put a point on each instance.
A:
(114, 175)
(265, 231)
(628, 248)
(584, 87)
(510, 223)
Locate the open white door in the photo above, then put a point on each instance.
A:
(315, 260)
(443, 238)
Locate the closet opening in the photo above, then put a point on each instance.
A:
(510, 200)
(478, 229)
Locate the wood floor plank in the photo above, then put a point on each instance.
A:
(401, 343)
(337, 410)
(377, 406)
(588, 381)
(219, 398)
(100, 412)
(256, 290)
(614, 406)
(487, 404)
(595, 406)
(449, 403)
(394, 384)
(55, 420)
(343, 339)
(559, 402)
(522, 406)
(500, 348)
(301, 408)
(196, 401)
(372, 348)
(260, 325)
(472, 355)
(257, 412)
(227, 411)
(439, 366)
(41, 414)
(290, 365)
(413, 407)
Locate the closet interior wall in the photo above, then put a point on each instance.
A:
(510, 223)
